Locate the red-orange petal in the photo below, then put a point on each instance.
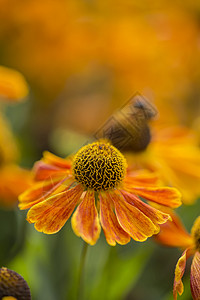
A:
(85, 220)
(166, 196)
(195, 276)
(132, 220)
(156, 216)
(112, 229)
(51, 214)
(56, 161)
(40, 191)
(179, 272)
(51, 166)
(44, 171)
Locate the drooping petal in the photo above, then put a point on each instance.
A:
(132, 220)
(112, 229)
(85, 220)
(179, 271)
(195, 276)
(155, 215)
(166, 196)
(174, 234)
(41, 190)
(51, 214)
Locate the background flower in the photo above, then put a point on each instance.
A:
(174, 234)
(13, 86)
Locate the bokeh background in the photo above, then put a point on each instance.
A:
(82, 60)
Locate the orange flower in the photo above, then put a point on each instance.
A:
(13, 286)
(174, 154)
(174, 234)
(13, 181)
(96, 181)
(13, 86)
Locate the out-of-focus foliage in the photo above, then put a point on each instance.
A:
(82, 60)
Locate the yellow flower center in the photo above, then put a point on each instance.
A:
(196, 233)
(99, 166)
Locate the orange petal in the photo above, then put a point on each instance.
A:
(112, 229)
(195, 276)
(51, 214)
(40, 191)
(85, 221)
(141, 178)
(56, 161)
(166, 196)
(44, 171)
(156, 216)
(179, 271)
(173, 233)
(132, 220)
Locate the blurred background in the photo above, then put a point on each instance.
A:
(82, 60)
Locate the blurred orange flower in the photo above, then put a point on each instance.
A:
(13, 181)
(173, 153)
(96, 181)
(52, 40)
(13, 86)
(173, 234)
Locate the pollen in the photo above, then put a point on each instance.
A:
(99, 166)
(196, 233)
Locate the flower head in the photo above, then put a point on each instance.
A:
(99, 166)
(13, 286)
(95, 181)
(174, 234)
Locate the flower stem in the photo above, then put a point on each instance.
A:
(81, 272)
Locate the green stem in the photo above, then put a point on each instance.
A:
(81, 272)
